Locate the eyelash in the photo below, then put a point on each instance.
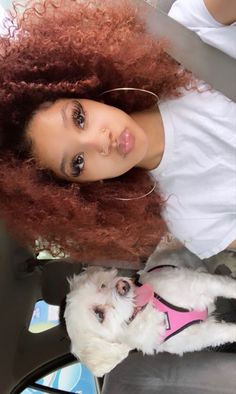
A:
(78, 118)
(78, 114)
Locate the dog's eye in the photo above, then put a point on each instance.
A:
(103, 286)
(100, 315)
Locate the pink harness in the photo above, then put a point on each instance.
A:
(176, 318)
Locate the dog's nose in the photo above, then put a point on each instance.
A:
(122, 287)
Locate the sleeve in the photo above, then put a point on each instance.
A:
(195, 16)
(204, 237)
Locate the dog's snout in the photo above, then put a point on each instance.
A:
(122, 287)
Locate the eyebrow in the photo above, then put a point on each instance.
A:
(63, 115)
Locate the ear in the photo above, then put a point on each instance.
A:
(101, 356)
(76, 280)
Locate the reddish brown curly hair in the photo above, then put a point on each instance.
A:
(71, 49)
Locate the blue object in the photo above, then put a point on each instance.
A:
(73, 378)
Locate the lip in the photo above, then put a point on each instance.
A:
(135, 312)
(126, 142)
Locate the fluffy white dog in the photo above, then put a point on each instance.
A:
(107, 315)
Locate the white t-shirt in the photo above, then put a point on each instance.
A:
(197, 173)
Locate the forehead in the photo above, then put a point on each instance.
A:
(90, 290)
(47, 119)
(102, 276)
(47, 133)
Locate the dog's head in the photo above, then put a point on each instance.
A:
(98, 308)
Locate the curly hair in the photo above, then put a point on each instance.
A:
(71, 49)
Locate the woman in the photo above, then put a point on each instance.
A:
(66, 131)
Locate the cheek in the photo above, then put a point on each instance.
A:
(110, 328)
(97, 168)
(123, 309)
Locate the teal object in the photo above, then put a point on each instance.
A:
(73, 378)
(5, 3)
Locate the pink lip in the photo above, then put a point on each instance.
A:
(126, 142)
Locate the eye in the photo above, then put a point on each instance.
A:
(77, 164)
(78, 114)
(103, 286)
(100, 315)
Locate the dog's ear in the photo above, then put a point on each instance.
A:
(76, 280)
(73, 281)
(101, 356)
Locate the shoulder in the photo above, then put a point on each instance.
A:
(195, 15)
(224, 11)
(192, 14)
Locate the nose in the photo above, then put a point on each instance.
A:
(122, 287)
(102, 141)
(106, 142)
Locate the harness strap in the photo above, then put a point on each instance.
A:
(176, 318)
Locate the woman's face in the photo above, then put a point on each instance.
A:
(84, 140)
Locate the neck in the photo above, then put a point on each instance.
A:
(151, 122)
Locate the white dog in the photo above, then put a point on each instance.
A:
(107, 315)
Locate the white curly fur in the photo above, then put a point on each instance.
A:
(101, 345)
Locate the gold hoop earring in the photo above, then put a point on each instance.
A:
(135, 89)
(138, 198)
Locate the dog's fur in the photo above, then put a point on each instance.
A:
(102, 344)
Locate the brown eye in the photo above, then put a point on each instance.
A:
(77, 165)
(100, 315)
(103, 286)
